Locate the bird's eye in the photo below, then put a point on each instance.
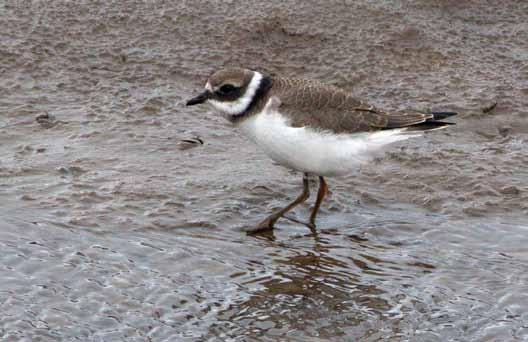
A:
(227, 89)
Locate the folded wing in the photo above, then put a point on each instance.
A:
(324, 107)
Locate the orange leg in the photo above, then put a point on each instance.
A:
(323, 190)
(269, 221)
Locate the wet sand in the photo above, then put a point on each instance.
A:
(112, 229)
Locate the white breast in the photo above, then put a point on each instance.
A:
(317, 152)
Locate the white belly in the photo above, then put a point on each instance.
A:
(316, 152)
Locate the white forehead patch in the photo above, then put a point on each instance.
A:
(241, 104)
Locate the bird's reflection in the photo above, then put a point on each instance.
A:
(321, 285)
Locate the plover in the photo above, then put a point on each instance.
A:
(309, 126)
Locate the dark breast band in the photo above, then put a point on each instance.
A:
(256, 102)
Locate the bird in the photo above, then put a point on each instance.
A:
(315, 128)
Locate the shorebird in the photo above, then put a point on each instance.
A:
(309, 126)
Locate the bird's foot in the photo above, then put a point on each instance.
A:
(263, 226)
(310, 224)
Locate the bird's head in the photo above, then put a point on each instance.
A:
(232, 91)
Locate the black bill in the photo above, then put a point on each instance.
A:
(199, 99)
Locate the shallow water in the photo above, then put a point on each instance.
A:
(111, 229)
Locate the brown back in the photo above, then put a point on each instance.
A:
(320, 106)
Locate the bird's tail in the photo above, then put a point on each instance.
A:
(442, 115)
(434, 123)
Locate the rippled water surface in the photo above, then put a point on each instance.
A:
(112, 229)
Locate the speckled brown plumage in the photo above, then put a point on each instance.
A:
(325, 107)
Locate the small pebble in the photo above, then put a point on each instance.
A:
(510, 190)
(46, 120)
(186, 144)
(505, 131)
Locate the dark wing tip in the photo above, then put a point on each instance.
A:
(420, 121)
(433, 123)
(442, 115)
